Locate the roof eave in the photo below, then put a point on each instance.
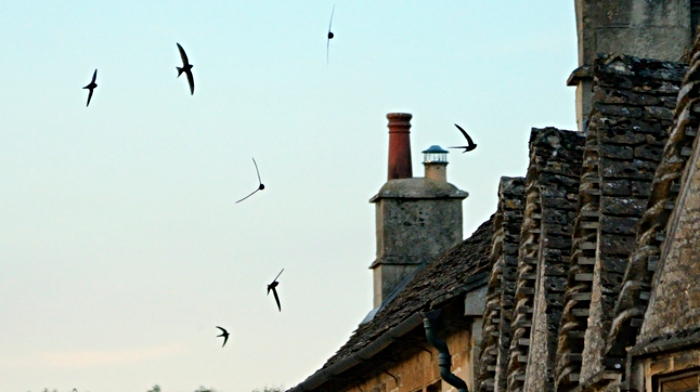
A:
(378, 345)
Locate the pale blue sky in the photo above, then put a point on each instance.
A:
(121, 247)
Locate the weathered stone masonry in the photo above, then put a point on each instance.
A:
(578, 294)
(558, 186)
(636, 104)
(633, 102)
(501, 290)
(632, 303)
(550, 200)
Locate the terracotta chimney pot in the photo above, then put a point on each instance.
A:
(399, 145)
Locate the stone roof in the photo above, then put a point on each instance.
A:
(452, 274)
(570, 258)
(501, 288)
(631, 304)
(633, 103)
(673, 305)
(460, 269)
(551, 187)
(684, 338)
(584, 198)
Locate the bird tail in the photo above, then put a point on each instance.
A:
(180, 70)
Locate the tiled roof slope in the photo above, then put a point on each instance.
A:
(501, 289)
(632, 108)
(457, 271)
(668, 235)
(636, 192)
(545, 242)
(579, 285)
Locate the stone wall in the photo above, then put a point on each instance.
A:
(420, 372)
(651, 370)
(652, 29)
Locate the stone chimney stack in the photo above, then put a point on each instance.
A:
(417, 218)
(399, 145)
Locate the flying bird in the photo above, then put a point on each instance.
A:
(186, 68)
(260, 187)
(272, 286)
(470, 144)
(224, 334)
(91, 87)
(330, 34)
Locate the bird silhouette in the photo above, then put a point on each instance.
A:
(260, 187)
(470, 144)
(186, 68)
(330, 34)
(91, 87)
(224, 334)
(273, 286)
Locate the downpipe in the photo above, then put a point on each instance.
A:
(444, 358)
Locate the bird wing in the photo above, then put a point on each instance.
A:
(278, 275)
(94, 76)
(257, 171)
(328, 40)
(259, 181)
(183, 55)
(248, 196)
(469, 140)
(224, 333)
(277, 299)
(89, 97)
(190, 80)
(331, 22)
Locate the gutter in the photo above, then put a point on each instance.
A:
(444, 357)
(366, 353)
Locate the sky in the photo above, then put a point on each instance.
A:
(121, 245)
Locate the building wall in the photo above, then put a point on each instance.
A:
(420, 372)
(651, 371)
(652, 29)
